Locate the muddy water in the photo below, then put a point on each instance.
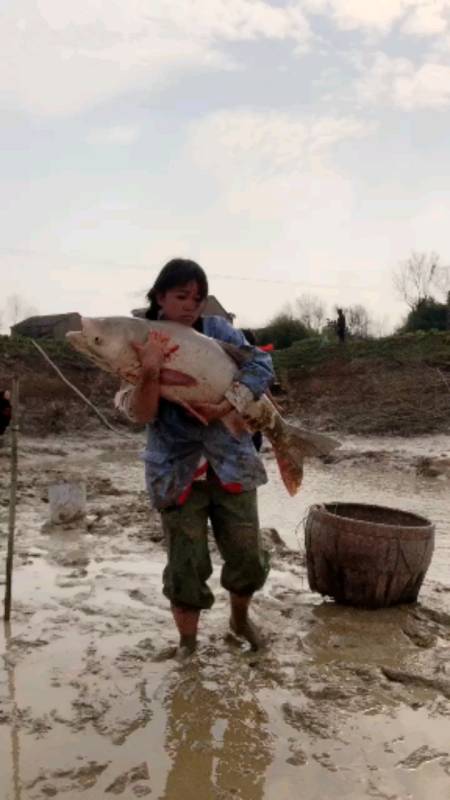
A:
(345, 703)
(373, 470)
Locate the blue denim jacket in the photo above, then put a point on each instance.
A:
(176, 441)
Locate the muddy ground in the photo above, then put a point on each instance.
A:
(344, 703)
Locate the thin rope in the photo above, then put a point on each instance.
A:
(80, 394)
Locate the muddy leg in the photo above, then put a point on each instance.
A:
(186, 620)
(240, 623)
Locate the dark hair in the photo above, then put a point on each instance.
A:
(249, 335)
(177, 272)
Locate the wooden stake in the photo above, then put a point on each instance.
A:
(12, 496)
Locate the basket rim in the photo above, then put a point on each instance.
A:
(322, 508)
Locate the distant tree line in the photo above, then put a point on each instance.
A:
(420, 281)
(308, 318)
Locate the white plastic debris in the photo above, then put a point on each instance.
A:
(67, 501)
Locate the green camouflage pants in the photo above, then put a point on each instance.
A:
(234, 520)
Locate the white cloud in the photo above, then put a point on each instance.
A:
(63, 57)
(114, 135)
(399, 82)
(222, 19)
(428, 19)
(380, 15)
(354, 14)
(418, 17)
(426, 87)
(274, 165)
(273, 139)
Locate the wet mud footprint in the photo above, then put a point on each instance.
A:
(60, 781)
(137, 594)
(136, 780)
(412, 679)
(425, 754)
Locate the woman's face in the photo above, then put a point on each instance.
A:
(182, 304)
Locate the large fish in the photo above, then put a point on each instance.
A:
(198, 369)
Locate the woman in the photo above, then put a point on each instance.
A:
(196, 473)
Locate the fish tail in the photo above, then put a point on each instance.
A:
(291, 446)
(291, 470)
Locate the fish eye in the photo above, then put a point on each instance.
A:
(97, 340)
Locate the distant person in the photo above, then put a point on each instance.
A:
(5, 410)
(341, 326)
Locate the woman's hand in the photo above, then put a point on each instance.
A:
(150, 356)
(144, 401)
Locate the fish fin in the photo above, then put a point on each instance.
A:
(173, 377)
(240, 355)
(192, 410)
(309, 443)
(268, 394)
(292, 447)
(291, 470)
(235, 424)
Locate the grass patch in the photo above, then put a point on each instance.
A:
(432, 348)
(21, 348)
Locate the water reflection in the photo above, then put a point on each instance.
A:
(365, 482)
(217, 737)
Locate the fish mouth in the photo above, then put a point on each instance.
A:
(76, 339)
(80, 342)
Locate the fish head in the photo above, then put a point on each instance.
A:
(106, 341)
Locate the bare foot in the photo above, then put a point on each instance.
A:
(186, 648)
(246, 629)
(165, 655)
(183, 653)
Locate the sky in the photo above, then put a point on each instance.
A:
(291, 147)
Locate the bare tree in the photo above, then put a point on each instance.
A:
(380, 327)
(418, 277)
(358, 321)
(17, 309)
(13, 308)
(311, 311)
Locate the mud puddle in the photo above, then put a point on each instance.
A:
(344, 703)
(384, 471)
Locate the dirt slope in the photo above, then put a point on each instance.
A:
(47, 405)
(393, 385)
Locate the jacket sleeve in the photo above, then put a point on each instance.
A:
(255, 375)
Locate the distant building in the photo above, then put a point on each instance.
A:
(215, 309)
(53, 326)
(212, 309)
